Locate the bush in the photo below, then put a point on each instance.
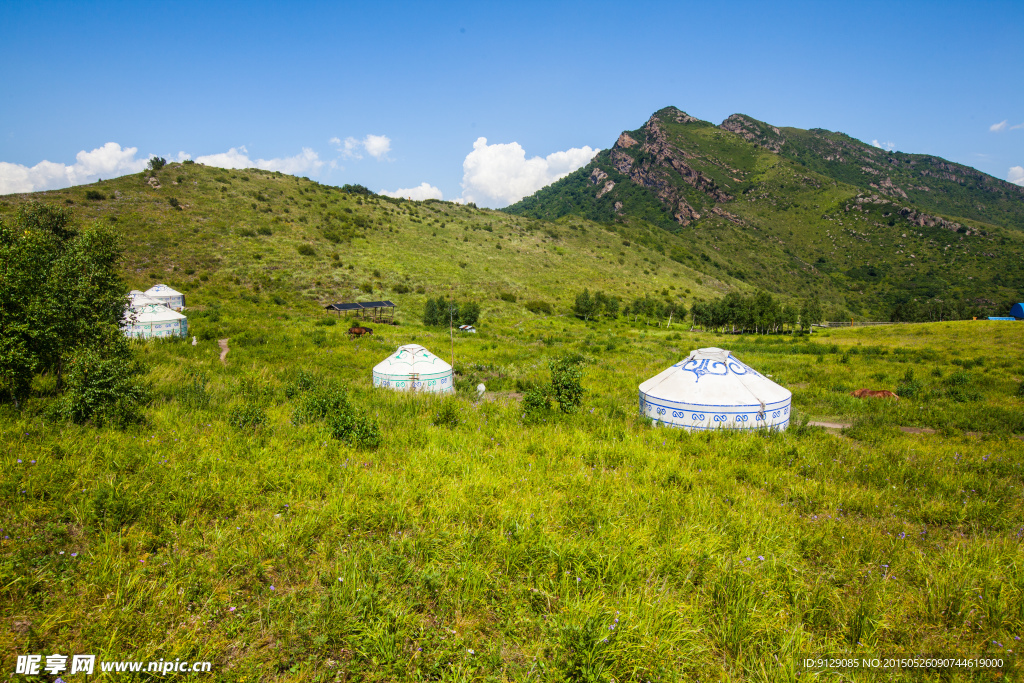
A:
(319, 338)
(326, 322)
(402, 289)
(536, 402)
(909, 387)
(249, 416)
(264, 230)
(1020, 390)
(566, 382)
(366, 287)
(102, 387)
(156, 163)
(507, 296)
(94, 195)
(539, 307)
(330, 403)
(173, 201)
(307, 250)
(447, 414)
(192, 392)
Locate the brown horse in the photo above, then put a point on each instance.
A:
(358, 332)
(868, 393)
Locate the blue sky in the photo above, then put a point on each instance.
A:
(545, 84)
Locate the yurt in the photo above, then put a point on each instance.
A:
(167, 296)
(712, 389)
(137, 300)
(413, 368)
(155, 320)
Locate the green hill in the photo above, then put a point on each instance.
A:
(272, 237)
(795, 211)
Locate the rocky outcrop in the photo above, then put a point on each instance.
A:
(625, 141)
(608, 187)
(761, 134)
(886, 186)
(597, 175)
(732, 218)
(924, 220)
(153, 182)
(657, 159)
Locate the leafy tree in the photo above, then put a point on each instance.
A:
(61, 307)
(811, 313)
(156, 163)
(585, 305)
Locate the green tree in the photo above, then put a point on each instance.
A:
(61, 308)
(585, 305)
(811, 313)
(567, 383)
(156, 163)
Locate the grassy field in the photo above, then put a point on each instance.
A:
(585, 547)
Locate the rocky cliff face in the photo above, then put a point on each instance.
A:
(658, 165)
(757, 132)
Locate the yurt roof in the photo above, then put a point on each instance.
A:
(161, 290)
(412, 359)
(155, 313)
(137, 299)
(713, 377)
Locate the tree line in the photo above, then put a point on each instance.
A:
(759, 312)
(441, 312)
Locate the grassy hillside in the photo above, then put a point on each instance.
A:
(272, 237)
(784, 211)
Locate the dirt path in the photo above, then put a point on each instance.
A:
(906, 430)
(223, 343)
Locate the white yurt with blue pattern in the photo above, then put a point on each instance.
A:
(154, 321)
(712, 389)
(413, 368)
(171, 298)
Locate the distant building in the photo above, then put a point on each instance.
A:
(168, 297)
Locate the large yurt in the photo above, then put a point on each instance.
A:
(155, 320)
(167, 296)
(712, 389)
(413, 368)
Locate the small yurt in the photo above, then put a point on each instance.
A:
(155, 320)
(137, 300)
(413, 368)
(167, 296)
(712, 389)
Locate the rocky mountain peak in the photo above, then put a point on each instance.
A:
(761, 134)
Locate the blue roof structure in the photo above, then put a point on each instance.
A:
(1017, 311)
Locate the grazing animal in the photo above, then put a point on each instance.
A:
(871, 393)
(358, 332)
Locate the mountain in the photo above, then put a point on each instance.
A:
(793, 210)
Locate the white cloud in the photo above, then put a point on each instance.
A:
(419, 193)
(888, 146)
(996, 127)
(1019, 125)
(306, 161)
(500, 174)
(376, 146)
(108, 161)
(1016, 175)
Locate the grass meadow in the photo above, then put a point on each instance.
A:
(585, 547)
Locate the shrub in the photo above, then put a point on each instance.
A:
(94, 195)
(246, 232)
(326, 322)
(507, 296)
(909, 387)
(204, 277)
(156, 163)
(330, 403)
(248, 416)
(264, 230)
(539, 307)
(536, 402)
(447, 414)
(306, 250)
(566, 382)
(319, 338)
(402, 289)
(192, 392)
(101, 386)
(173, 201)
(366, 287)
